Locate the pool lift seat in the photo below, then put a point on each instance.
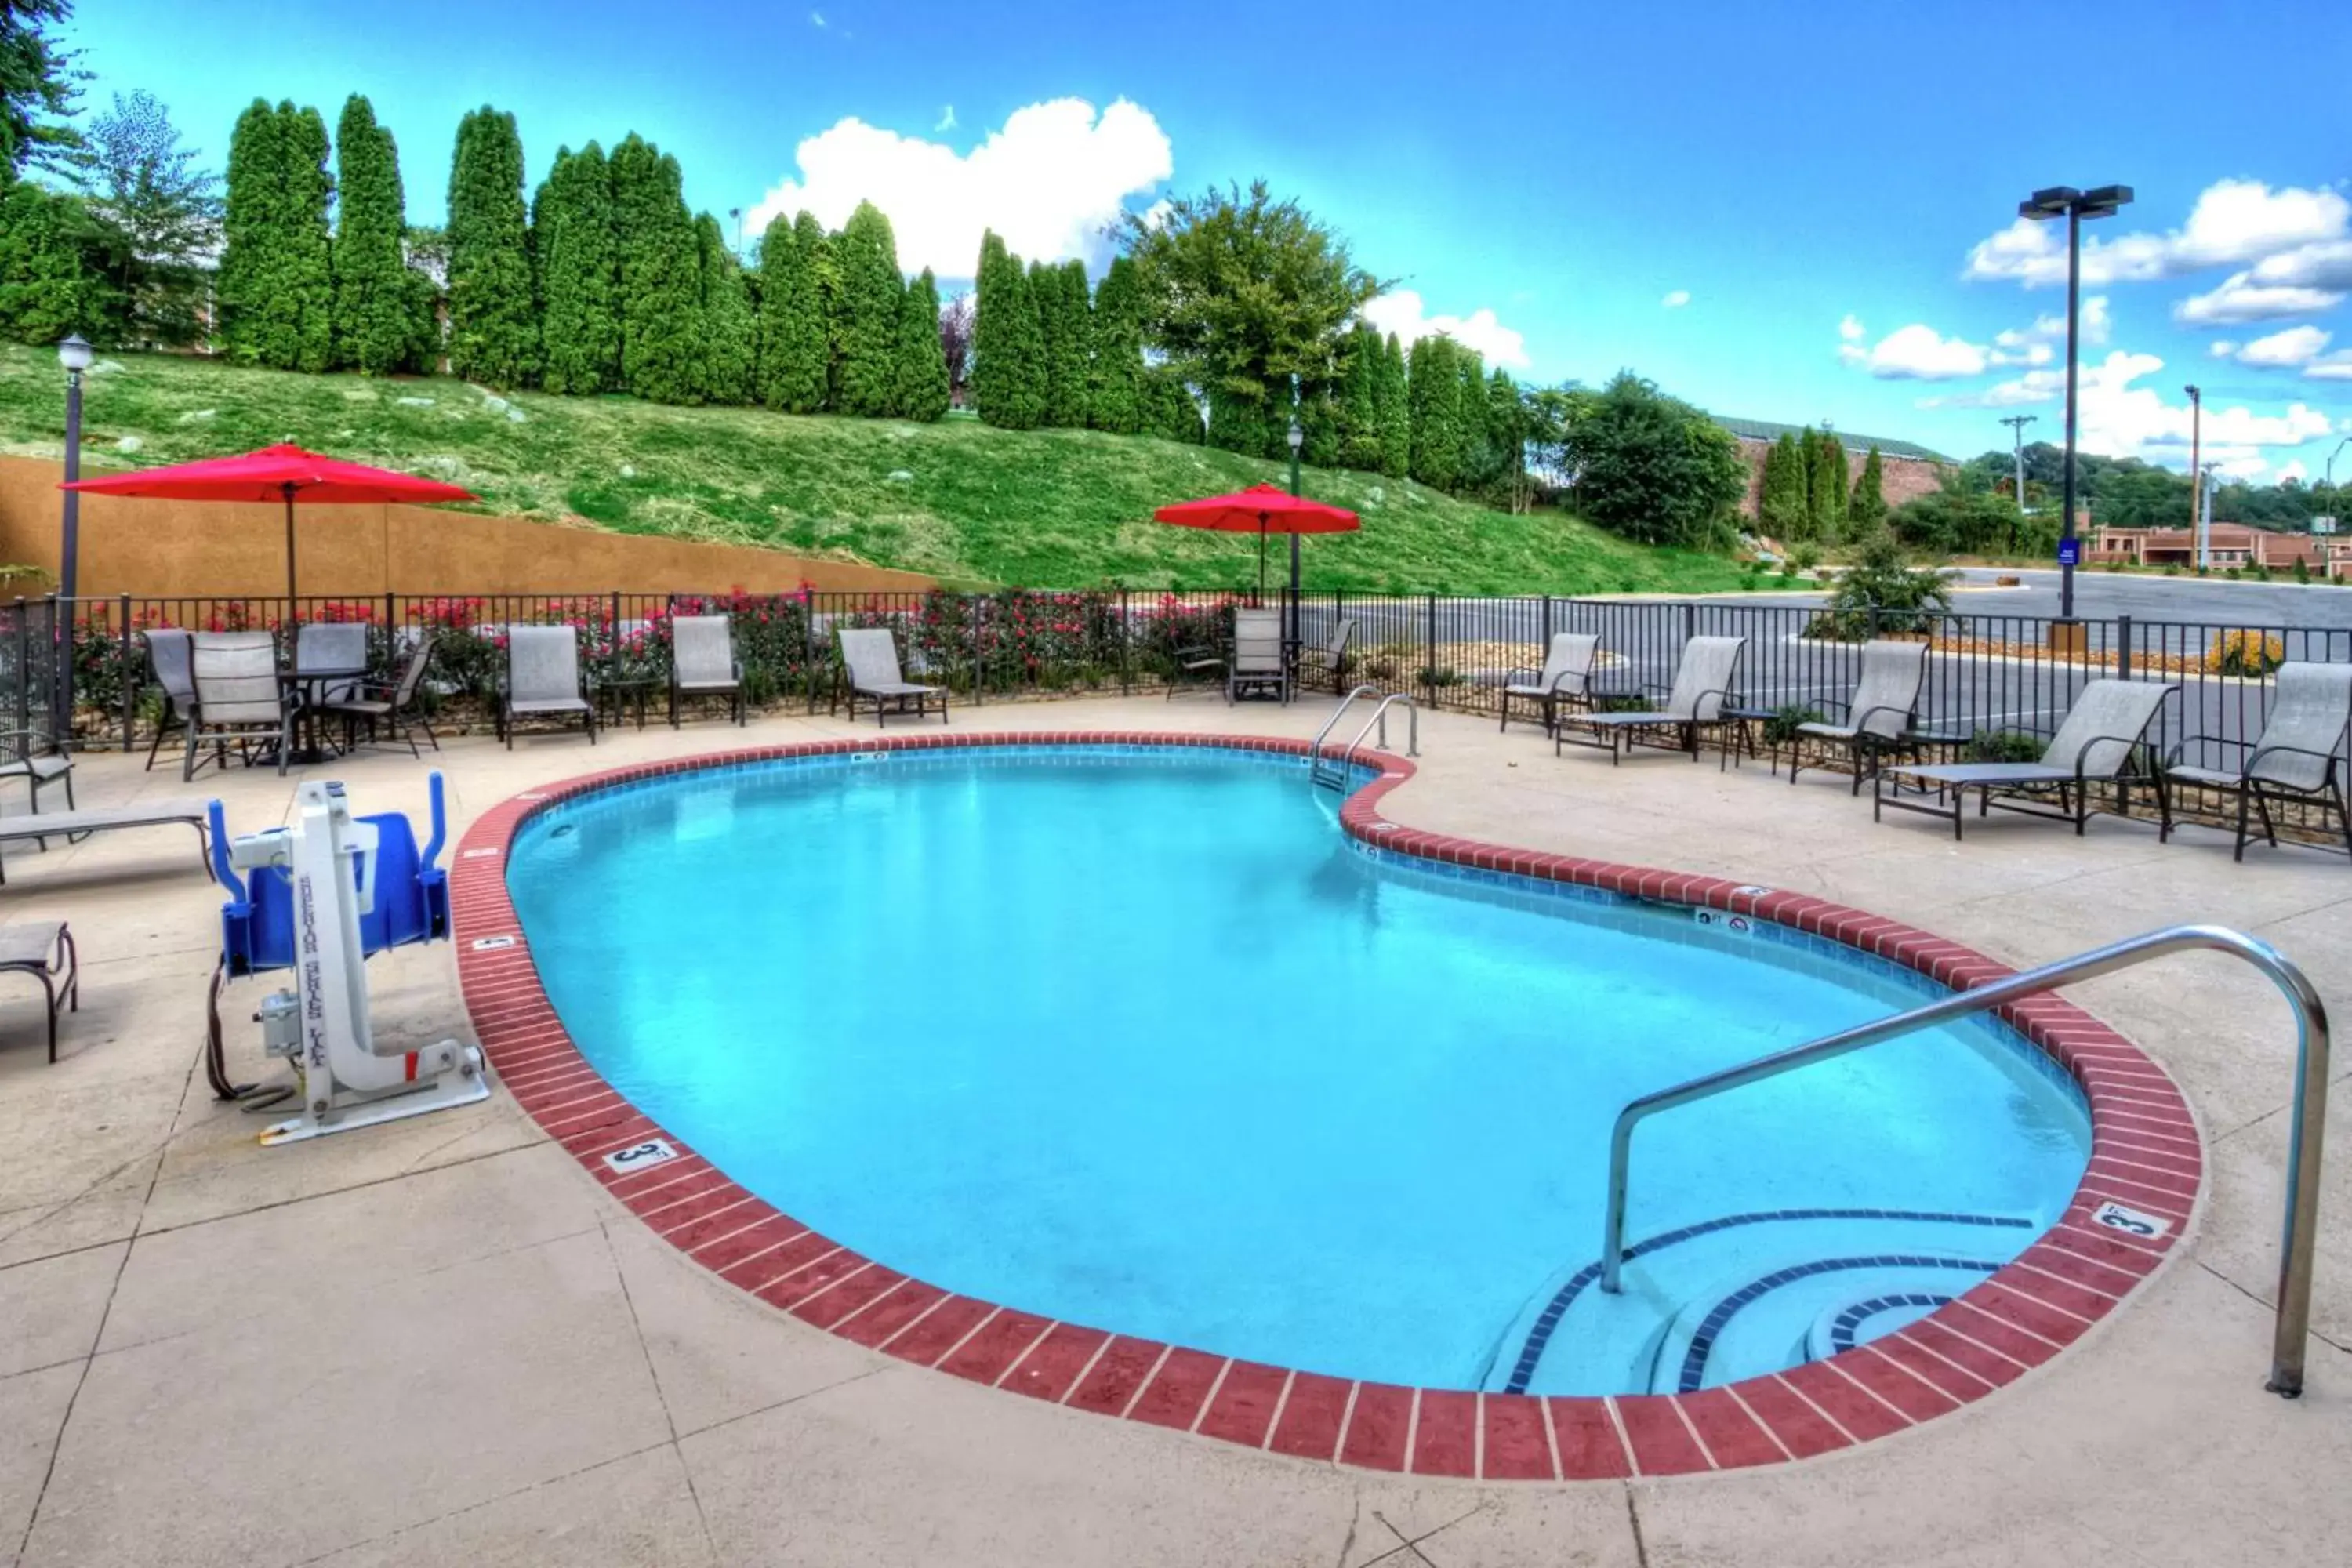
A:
(320, 898)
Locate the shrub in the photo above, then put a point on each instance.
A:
(2246, 653)
(2002, 746)
(2301, 571)
(1781, 728)
(1881, 592)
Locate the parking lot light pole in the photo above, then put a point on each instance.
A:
(2073, 206)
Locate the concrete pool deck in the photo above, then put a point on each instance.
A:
(441, 1340)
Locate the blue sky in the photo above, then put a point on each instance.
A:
(1825, 195)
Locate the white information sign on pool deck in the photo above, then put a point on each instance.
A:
(652, 1152)
(2130, 1222)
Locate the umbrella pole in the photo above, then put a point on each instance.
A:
(291, 603)
(1261, 558)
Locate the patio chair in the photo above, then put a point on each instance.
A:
(1694, 705)
(1566, 677)
(35, 756)
(2294, 760)
(703, 663)
(871, 657)
(542, 680)
(167, 660)
(1881, 711)
(392, 706)
(2102, 740)
(1331, 659)
(332, 645)
(1257, 664)
(44, 949)
(239, 699)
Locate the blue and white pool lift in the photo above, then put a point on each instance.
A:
(321, 896)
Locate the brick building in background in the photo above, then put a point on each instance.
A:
(1906, 469)
(2227, 544)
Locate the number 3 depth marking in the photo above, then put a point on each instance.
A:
(2131, 1222)
(652, 1152)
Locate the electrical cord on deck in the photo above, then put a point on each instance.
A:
(253, 1095)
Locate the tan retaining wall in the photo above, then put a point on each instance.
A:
(167, 549)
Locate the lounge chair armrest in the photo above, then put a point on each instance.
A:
(1863, 721)
(2130, 743)
(1580, 681)
(2281, 749)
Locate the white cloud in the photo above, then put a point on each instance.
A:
(2038, 343)
(1915, 352)
(1399, 311)
(1048, 182)
(1676, 299)
(1851, 330)
(2293, 470)
(2302, 281)
(817, 19)
(2234, 221)
(946, 119)
(2285, 349)
(2123, 419)
(2223, 348)
(2336, 366)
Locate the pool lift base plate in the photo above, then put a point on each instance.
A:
(321, 1026)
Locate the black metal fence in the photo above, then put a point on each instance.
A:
(1987, 673)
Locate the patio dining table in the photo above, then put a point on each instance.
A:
(308, 688)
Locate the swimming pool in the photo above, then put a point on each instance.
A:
(1139, 1038)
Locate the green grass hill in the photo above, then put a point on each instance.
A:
(964, 502)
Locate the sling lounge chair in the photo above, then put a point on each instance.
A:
(542, 680)
(2295, 760)
(238, 698)
(703, 663)
(1694, 705)
(44, 949)
(1566, 677)
(80, 824)
(168, 658)
(871, 657)
(1329, 661)
(1257, 663)
(1881, 711)
(2100, 742)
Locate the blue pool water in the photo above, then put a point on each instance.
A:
(1139, 1039)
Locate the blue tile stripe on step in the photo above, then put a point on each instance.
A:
(1702, 1344)
(1843, 1328)
(1539, 1334)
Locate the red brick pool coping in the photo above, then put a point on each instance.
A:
(2145, 1155)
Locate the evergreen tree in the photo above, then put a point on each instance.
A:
(922, 385)
(1866, 508)
(578, 255)
(1115, 399)
(1360, 401)
(1318, 425)
(727, 345)
(1781, 505)
(1434, 387)
(248, 254)
(1008, 373)
(1506, 432)
(310, 253)
(373, 319)
(1065, 321)
(792, 361)
(277, 276)
(1393, 404)
(1825, 487)
(1245, 423)
(821, 256)
(661, 276)
(868, 309)
(493, 327)
(1169, 409)
(1479, 462)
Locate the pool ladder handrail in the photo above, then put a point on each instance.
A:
(2306, 1136)
(1332, 773)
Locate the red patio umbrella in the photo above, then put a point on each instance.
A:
(1260, 509)
(284, 473)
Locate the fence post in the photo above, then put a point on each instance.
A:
(1429, 663)
(1126, 635)
(24, 666)
(1545, 641)
(808, 643)
(2123, 647)
(130, 681)
(979, 602)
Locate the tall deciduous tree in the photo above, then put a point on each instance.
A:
(1115, 401)
(1434, 387)
(1393, 397)
(867, 313)
(922, 390)
(1244, 293)
(1652, 467)
(727, 345)
(38, 90)
(577, 251)
(376, 328)
(661, 276)
(793, 354)
(493, 325)
(165, 207)
(1008, 372)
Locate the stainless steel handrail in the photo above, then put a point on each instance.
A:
(1380, 717)
(1315, 752)
(2299, 1234)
